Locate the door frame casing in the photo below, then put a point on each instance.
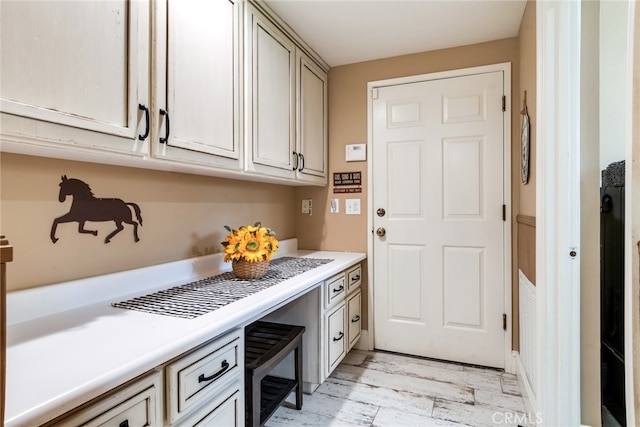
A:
(505, 68)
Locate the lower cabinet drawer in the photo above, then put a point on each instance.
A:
(138, 404)
(354, 277)
(336, 337)
(354, 312)
(200, 375)
(334, 290)
(226, 410)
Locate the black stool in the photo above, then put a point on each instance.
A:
(265, 345)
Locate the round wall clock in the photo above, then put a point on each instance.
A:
(524, 137)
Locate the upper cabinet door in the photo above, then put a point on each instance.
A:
(271, 57)
(199, 82)
(74, 73)
(312, 121)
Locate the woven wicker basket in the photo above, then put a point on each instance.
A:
(249, 270)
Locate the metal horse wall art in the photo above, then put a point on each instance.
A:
(86, 207)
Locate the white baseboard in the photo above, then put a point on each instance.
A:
(528, 395)
(364, 343)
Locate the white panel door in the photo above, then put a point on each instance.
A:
(438, 175)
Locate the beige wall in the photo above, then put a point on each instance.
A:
(348, 125)
(527, 45)
(183, 217)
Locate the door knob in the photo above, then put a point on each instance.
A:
(381, 212)
(381, 232)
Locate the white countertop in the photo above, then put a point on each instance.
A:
(66, 344)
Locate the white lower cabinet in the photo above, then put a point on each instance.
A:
(341, 314)
(203, 375)
(204, 387)
(331, 315)
(354, 312)
(137, 404)
(336, 337)
(226, 410)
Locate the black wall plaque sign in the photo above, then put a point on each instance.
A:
(347, 178)
(86, 207)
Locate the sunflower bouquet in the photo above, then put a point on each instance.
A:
(250, 243)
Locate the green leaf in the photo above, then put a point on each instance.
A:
(228, 228)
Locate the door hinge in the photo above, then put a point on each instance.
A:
(504, 321)
(504, 212)
(374, 93)
(504, 103)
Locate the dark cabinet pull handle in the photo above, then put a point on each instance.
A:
(125, 423)
(225, 366)
(301, 162)
(146, 119)
(339, 337)
(167, 128)
(336, 290)
(355, 319)
(295, 156)
(355, 278)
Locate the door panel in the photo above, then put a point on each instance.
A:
(438, 150)
(463, 285)
(462, 177)
(406, 279)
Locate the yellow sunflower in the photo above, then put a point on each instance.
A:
(251, 243)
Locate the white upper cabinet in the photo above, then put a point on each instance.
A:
(197, 85)
(212, 87)
(286, 106)
(75, 75)
(312, 121)
(271, 68)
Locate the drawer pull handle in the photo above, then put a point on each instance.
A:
(225, 366)
(125, 423)
(339, 337)
(336, 290)
(355, 319)
(355, 278)
(295, 156)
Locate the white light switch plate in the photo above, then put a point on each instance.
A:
(352, 206)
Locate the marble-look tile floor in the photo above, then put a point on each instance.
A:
(388, 390)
